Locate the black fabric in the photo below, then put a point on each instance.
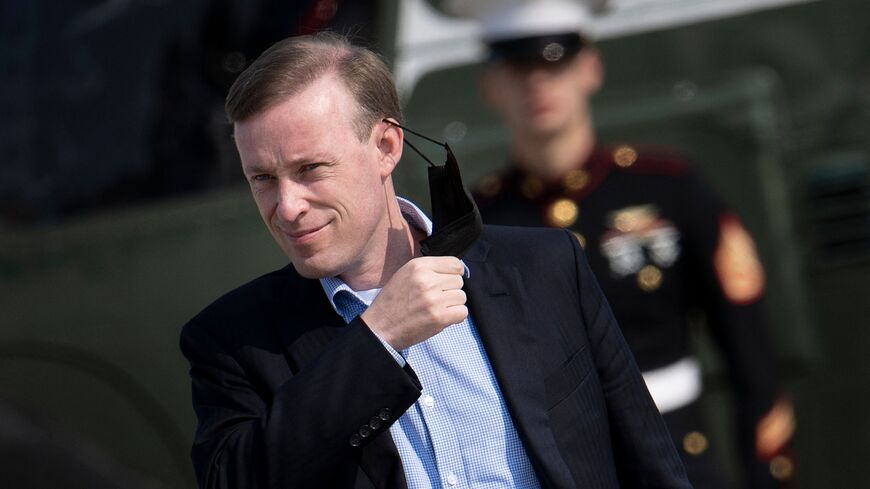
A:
(456, 222)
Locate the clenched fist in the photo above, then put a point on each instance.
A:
(422, 298)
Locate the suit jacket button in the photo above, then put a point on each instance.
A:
(385, 414)
(375, 423)
(355, 440)
(365, 431)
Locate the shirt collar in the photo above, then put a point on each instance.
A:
(416, 218)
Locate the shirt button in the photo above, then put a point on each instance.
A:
(428, 401)
(451, 479)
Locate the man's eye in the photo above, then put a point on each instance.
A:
(311, 166)
(261, 178)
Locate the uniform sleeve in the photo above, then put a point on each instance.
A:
(307, 432)
(644, 452)
(731, 285)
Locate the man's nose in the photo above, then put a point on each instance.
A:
(535, 76)
(292, 200)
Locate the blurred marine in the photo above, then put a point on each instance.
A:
(658, 238)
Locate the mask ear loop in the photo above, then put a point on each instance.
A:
(427, 138)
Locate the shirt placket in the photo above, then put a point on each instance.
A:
(440, 427)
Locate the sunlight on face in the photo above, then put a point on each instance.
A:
(319, 189)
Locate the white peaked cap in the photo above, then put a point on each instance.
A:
(511, 19)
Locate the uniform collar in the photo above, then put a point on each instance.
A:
(577, 183)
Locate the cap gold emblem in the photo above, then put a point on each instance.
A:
(553, 52)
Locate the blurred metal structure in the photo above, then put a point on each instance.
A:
(773, 95)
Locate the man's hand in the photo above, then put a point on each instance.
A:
(421, 299)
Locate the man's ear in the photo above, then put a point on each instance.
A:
(591, 69)
(389, 144)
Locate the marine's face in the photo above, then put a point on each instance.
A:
(541, 99)
(320, 191)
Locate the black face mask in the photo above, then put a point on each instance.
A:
(456, 222)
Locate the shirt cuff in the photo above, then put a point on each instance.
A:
(392, 351)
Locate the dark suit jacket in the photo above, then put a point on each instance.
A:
(281, 384)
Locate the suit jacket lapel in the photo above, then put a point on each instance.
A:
(314, 324)
(311, 322)
(506, 323)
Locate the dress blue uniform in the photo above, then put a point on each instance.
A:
(664, 246)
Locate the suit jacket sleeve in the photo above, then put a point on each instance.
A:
(730, 291)
(644, 453)
(264, 424)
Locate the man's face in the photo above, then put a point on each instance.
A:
(540, 99)
(319, 189)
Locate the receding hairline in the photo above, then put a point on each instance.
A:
(239, 109)
(293, 65)
(278, 100)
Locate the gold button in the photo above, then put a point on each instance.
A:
(695, 443)
(563, 213)
(624, 156)
(649, 278)
(781, 468)
(575, 180)
(490, 186)
(532, 187)
(580, 239)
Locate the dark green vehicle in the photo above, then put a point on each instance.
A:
(774, 94)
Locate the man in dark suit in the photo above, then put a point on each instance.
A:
(367, 365)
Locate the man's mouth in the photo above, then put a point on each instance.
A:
(304, 234)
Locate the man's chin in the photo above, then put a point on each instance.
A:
(544, 126)
(312, 271)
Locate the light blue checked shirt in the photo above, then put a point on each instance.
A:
(459, 433)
